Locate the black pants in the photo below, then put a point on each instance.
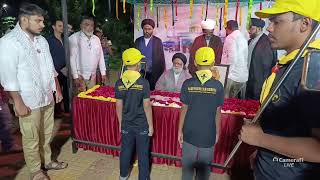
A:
(5, 135)
(135, 138)
(63, 81)
(151, 80)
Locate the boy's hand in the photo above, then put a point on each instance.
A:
(150, 131)
(180, 138)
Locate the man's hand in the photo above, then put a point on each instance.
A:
(251, 134)
(22, 110)
(79, 83)
(58, 96)
(103, 78)
(217, 137)
(180, 138)
(76, 82)
(150, 131)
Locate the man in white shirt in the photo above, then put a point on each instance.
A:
(235, 54)
(86, 55)
(27, 73)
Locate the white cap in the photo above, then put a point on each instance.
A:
(208, 24)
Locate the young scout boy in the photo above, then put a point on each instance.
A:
(202, 97)
(134, 114)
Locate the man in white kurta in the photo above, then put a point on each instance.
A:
(235, 54)
(27, 73)
(86, 55)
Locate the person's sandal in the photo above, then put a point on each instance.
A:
(39, 175)
(55, 165)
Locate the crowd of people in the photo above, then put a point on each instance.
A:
(250, 62)
(34, 74)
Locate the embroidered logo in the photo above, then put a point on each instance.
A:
(276, 97)
(204, 76)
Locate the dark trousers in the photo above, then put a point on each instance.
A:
(63, 81)
(195, 159)
(5, 136)
(151, 80)
(131, 139)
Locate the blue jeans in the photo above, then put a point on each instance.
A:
(5, 136)
(131, 139)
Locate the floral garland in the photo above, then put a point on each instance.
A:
(246, 108)
(103, 93)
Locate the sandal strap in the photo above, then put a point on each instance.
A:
(56, 165)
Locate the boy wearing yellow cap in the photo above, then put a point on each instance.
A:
(202, 97)
(288, 135)
(134, 114)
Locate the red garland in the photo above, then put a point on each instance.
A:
(246, 107)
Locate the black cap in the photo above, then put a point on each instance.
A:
(257, 22)
(180, 56)
(147, 21)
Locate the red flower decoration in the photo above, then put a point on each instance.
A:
(246, 107)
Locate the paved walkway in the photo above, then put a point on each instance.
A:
(84, 165)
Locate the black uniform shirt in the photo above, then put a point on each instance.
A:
(133, 114)
(203, 100)
(292, 113)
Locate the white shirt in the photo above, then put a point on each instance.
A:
(16, 71)
(176, 77)
(86, 55)
(146, 41)
(235, 54)
(208, 41)
(251, 47)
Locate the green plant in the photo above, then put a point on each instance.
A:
(120, 32)
(7, 23)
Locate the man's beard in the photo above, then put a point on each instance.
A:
(88, 33)
(177, 70)
(147, 35)
(208, 36)
(254, 35)
(32, 32)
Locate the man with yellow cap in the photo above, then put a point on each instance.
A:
(202, 97)
(134, 114)
(288, 135)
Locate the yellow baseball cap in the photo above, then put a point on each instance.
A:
(131, 56)
(205, 56)
(308, 8)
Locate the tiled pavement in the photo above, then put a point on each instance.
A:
(87, 165)
(84, 165)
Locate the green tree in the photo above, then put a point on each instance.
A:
(7, 23)
(120, 32)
